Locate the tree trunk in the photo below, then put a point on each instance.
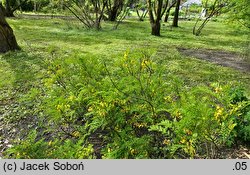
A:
(113, 14)
(167, 15)
(155, 21)
(7, 38)
(176, 14)
(168, 11)
(8, 11)
(114, 9)
(156, 28)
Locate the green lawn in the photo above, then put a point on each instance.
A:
(38, 38)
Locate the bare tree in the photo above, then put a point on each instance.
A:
(89, 12)
(216, 8)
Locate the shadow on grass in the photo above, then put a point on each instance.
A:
(18, 114)
(26, 68)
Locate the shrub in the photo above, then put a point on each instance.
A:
(35, 148)
(131, 107)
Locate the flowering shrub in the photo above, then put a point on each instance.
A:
(132, 107)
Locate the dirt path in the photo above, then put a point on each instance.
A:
(227, 59)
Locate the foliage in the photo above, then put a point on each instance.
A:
(32, 148)
(205, 125)
(242, 104)
(213, 8)
(239, 11)
(12, 5)
(133, 110)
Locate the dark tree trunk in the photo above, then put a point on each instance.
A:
(167, 15)
(114, 9)
(12, 6)
(8, 11)
(7, 38)
(156, 28)
(155, 21)
(168, 11)
(113, 14)
(176, 14)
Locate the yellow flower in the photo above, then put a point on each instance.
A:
(145, 63)
(76, 134)
(140, 125)
(178, 115)
(50, 143)
(67, 106)
(90, 109)
(166, 142)
(125, 65)
(183, 140)
(71, 97)
(132, 151)
(188, 132)
(217, 89)
(168, 99)
(125, 56)
(218, 113)
(59, 107)
(102, 104)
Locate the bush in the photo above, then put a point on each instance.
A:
(132, 107)
(35, 148)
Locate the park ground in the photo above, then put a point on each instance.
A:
(220, 54)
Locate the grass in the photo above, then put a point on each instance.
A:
(44, 40)
(41, 39)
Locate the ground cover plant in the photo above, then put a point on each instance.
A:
(77, 93)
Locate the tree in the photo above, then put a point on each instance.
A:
(141, 9)
(89, 12)
(7, 38)
(239, 11)
(114, 8)
(176, 13)
(156, 9)
(170, 6)
(11, 6)
(214, 8)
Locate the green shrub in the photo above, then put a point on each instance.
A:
(132, 107)
(242, 106)
(35, 148)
